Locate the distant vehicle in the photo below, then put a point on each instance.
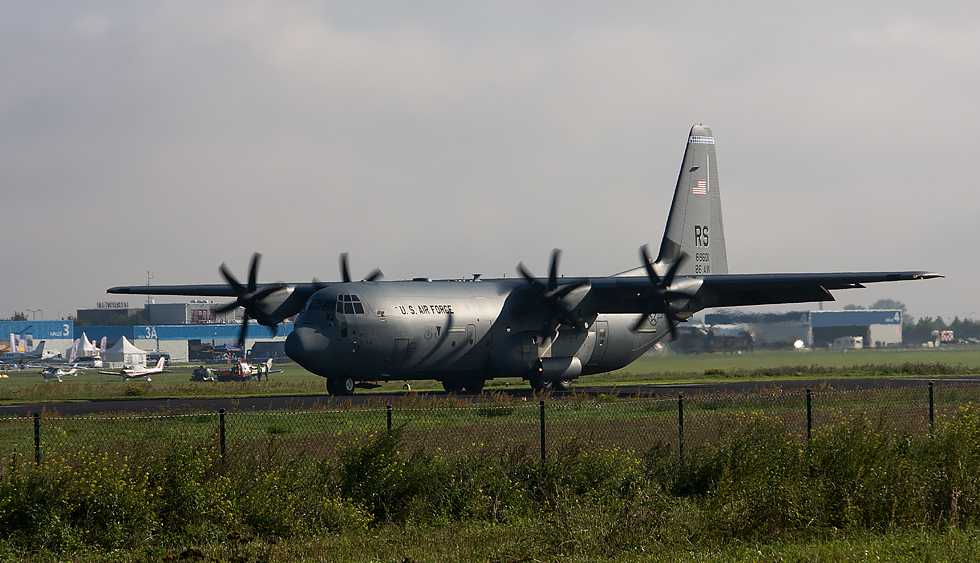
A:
(133, 372)
(155, 356)
(848, 343)
(202, 373)
(244, 371)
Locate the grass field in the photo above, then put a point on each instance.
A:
(654, 367)
(464, 481)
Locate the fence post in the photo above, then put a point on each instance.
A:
(680, 426)
(388, 409)
(809, 415)
(932, 409)
(542, 432)
(37, 438)
(221, 431)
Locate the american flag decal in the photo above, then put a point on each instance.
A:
(701, 188)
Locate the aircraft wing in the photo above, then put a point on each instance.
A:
(731, 290)
(203, 290)
(629, 294)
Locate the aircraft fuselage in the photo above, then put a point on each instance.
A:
(455, 330)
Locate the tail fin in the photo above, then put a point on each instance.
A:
(39, 351)
(694, 225)
(161, 362)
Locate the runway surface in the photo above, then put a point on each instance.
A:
(362, 398)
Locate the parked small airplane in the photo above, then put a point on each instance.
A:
(17, 358)
(548, 331)
(52, 372)
(133, 372)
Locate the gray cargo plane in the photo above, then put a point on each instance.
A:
(549, 331)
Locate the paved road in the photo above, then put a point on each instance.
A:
(150, 406)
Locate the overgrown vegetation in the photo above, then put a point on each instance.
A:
(760, 484)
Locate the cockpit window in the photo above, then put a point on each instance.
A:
(349, 304)
(316, 304)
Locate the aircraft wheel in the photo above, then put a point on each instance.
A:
(340, 385)
(346, 385)
(475, 385)
(538, 385)
(452, 385)
(563, 385)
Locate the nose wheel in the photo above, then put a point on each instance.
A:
(340, 385)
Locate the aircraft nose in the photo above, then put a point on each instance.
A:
(307, 347)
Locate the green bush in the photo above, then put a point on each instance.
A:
(756, 482)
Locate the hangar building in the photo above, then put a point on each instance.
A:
(173, 339)
(817, 329)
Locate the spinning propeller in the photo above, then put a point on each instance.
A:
(249, 297)
(551, 295)
(345, 271)
(660, 294)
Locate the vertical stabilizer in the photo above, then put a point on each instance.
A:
(694, 225)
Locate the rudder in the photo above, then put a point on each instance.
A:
(695, 225)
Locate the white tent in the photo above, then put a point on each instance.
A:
(123, 354)
(86, 348)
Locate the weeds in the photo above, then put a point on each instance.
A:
(757, 482)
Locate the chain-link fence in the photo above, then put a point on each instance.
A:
(678, 425)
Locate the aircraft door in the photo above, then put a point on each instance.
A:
(398, 352)
(601, 342)
(470, 338)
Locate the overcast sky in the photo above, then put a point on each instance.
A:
(442, 139)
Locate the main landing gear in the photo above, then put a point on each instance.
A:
(472, 385)
(340, 385)
(541, 385)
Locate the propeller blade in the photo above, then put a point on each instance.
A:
(253, 271)
(319, 284)
(244, 331)
(641, 321)
(259, 296)
(344, 268)
(529, 276)
(231, 279)
(375, 275)
(672, 326)
(564, 290)
(648, 265)
(669, 278)
(553, 272)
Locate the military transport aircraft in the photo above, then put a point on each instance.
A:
(546, 330)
